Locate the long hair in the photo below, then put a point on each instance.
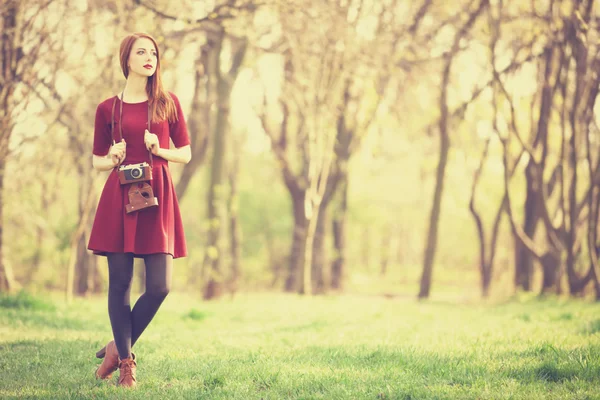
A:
(161, 103)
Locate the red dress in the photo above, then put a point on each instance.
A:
(147, 231)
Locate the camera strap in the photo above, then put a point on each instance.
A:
(112, 122)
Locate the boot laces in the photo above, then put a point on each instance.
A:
(126, 369)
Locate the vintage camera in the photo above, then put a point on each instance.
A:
(135, 173)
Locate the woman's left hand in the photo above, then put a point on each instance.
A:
(151, 141)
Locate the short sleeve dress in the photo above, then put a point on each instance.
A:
(150, 230)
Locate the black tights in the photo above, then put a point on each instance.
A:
(127, 324)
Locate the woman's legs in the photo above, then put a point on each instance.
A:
(120, 274)
(158, 284)
(127, 324)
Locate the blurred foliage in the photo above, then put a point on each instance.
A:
(391, 175)
(24, 300)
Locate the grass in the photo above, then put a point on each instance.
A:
(275, 346)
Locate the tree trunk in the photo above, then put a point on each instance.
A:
(235, 229)
(550, 265)
(79, 234)
(10, 61)
(435, 216)
(580, 116)
(199, 120)
(339, 237)
(320, 275)
(596, 282)
(320, 255)
(82, 268)
(40, 235)
(295, 273)
(83, 263)
(216, 208)
(319, 193)
(486, 280)
(217, 197)
(7, 280)
(523, 258)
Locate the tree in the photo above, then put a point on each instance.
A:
(25, 39)
(430, 247)
(568, 69)
(217, 192)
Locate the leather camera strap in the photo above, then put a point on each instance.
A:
(112, 122)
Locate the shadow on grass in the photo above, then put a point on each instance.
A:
(553, 364)
(592, 327)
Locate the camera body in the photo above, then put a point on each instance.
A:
(133, 173)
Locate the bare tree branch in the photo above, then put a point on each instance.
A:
(217, 15)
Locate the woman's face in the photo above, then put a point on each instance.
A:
(143, 58)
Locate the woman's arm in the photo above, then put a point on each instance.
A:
(103, 163)
(180, 155)
(116, 153)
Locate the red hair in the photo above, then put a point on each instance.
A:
(161, 103)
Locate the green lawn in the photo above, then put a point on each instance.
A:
(275, 346)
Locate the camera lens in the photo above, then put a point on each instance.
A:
(136, 173)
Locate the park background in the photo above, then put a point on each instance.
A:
(390, 167)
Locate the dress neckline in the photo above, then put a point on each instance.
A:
(139, 102)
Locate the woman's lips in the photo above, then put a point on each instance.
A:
(148, 66)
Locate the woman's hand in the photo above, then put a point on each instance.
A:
(151, 141)
(117, 152)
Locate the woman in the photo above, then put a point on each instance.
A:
(122, 137)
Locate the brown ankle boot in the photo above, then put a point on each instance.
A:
(127, 368)
(110, 363)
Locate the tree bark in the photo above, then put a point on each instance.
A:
(297, 188)
(235, 229)
(486, 259)
(320, 276)
(199, 120)
(339, 237)
(7, 280)
(82, 268)
(320, 256)
(550, 265)
(484, 265)
(85, 261)
(431, 244)
(217, 197)
(87, 203)
(523, 258)
(580, 117)
(434, 218)
(11, 53)
(533, 199)
(294, 280)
